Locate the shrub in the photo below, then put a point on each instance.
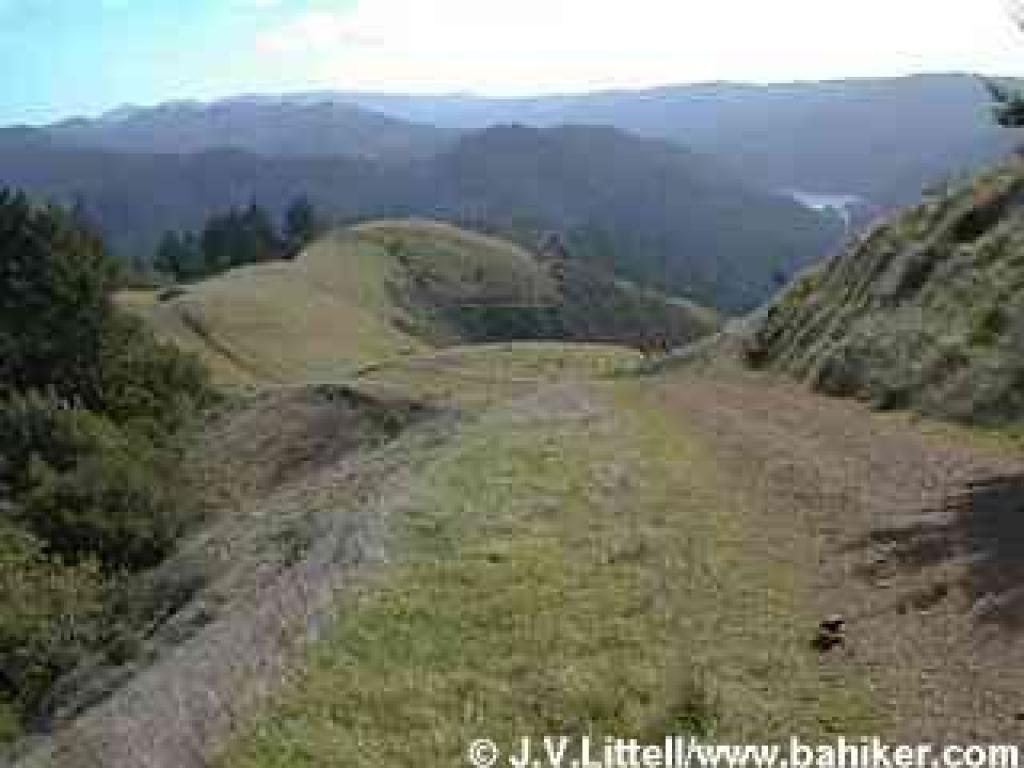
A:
(112, 505)
(988, 325)
(55, 284)
(33, 427)
(149, 386)
(90, 405)
(59, 332)
(51, 616)
(88, 488)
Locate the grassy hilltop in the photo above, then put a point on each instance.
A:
(397, 288)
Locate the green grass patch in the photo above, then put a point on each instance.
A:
(477, 375)
(567, 566)
(387, 290)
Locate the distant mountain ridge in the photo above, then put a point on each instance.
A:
(134, 197)
(653, 211)
(322, 128)
(678, 187)
(878, 139)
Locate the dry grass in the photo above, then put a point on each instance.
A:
(485, 374)
(570, 564)
(283, 323)
(500, 255)
(290, 530)
(908, 523)
(348, 300)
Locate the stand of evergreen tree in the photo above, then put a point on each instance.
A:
(91, 407)
(236, 238)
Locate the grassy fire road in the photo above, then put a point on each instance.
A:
(573, 562)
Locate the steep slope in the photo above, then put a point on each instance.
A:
(654, 212)
(879, 139)
(926, 311)
(392, 289)
(269, 129)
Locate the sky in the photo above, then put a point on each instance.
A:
(81, 57)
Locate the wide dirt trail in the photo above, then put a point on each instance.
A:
(549, 544)
(914, 535)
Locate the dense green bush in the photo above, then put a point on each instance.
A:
(90, 409)
(36, 427)
(51, 615)
(93, 490)
(88, 487)
(147, 386)
(55, 307)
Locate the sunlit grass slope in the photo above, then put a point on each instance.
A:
(479, 375)
(571, 564)
(357, 296)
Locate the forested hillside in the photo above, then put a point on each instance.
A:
(323, 128)
(651, 211)
(647, 209)
(880, 139)
(135, 198)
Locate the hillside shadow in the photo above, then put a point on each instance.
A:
(984, 527)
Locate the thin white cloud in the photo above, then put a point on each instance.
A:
(544, 45)
(317, 32)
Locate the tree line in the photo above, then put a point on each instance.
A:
(91, 491)
(235, 238)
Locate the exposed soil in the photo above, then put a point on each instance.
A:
(279, 437)
(919, 537)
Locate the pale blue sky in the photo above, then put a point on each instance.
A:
(70, 57)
